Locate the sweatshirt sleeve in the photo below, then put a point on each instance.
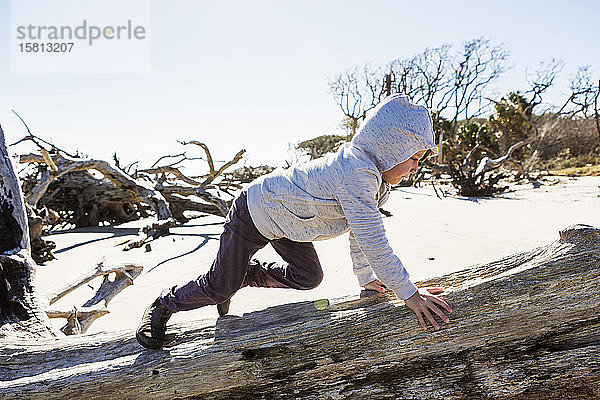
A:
(360, 264)
(357, 196)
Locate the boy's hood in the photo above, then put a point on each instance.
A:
(394, 131)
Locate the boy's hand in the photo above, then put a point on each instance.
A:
(375, 285)
(423, 303)
(380, 287)
(434, 289)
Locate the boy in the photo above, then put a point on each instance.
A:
(318, 200)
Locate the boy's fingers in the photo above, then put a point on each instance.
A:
(437, 300)
(380, 285)
(375, 285)
(431, 319)
(421, 320)
(442, 303)
(435, 290)
(439, 312)
(419, 315)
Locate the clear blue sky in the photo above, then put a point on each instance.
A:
(253, 74)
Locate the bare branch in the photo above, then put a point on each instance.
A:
(596, 114)
(37, 140)
(486, 163)
(100, 269)
(542, 80)
(228, 164)
(78, 319)
(171, 170)
(204, 147)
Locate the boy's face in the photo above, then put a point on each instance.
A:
(394, 175)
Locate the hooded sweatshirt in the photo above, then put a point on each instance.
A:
(343, 191)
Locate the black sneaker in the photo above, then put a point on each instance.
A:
(151, 332)
(223, 308)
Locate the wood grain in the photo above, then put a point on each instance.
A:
(524, 327)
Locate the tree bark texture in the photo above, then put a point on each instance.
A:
(20, 313)
(526, 326)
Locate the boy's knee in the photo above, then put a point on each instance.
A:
(219, 294)
(317, 279)
(313, 280)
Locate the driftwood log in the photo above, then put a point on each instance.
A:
(86, 200)
(524, 327)
(20, 313)
(41, 249)
(81, 199)
(60, 165)
(152, 231)
(177, 196)
(67, 186)
(79, 319)
(475, 175)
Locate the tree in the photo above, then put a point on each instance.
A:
(511, 120)
(357, 91)
(424, 76)
(454, 85)
(20, 313)
(525, 115)
(583, 100)
(472, 73)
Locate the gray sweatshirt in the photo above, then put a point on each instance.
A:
(342, 192)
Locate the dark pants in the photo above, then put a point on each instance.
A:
(234, 267)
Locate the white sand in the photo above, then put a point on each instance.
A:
(431, 236)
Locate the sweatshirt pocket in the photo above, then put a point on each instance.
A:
(302, 213)
(287, 200)
(307, 208)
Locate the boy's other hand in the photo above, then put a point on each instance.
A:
(435, 290)
(423, 304)
(380, 287)
(375, 285)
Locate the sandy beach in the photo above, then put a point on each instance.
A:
(432, 236)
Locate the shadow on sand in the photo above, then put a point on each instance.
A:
(116, 232)
(206, 237)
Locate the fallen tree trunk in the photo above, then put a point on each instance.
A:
(84, 200)
(171, 191)
(20, 312)
(526, 326)
(65, 165)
